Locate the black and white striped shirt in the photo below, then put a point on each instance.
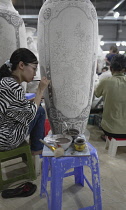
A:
(16, 113)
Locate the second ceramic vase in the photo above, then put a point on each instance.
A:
(12, 30)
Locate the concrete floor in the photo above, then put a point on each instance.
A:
(113, 172)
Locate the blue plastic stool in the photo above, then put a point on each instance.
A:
(58, 167)
(30, 95)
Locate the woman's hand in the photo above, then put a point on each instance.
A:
(43, 83)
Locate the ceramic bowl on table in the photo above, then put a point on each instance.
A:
(63, 140)
(71, 132)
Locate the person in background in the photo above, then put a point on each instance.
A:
(105, 73)
(18, 116)
(105, 68)
(113, 91)
(112, 52)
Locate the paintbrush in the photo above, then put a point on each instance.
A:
(58, 152)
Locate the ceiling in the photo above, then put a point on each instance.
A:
(112, 29)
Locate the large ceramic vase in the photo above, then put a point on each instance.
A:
(67, 43)
(12, 30)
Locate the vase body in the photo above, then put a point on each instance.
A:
(101, 56)
(12, 30)
(32, 45)
(30, 31)
(67, 45)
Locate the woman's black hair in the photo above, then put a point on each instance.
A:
(118, 63)
(21, 54)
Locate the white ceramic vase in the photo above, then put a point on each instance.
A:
(101, 56)
(12, 31)
(67, 45)
(32, 45)
(30, 41)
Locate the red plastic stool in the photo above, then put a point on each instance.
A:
(47, 127)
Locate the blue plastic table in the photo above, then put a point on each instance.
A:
(58, 167)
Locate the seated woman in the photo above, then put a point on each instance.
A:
(113, 90)
(18, 116)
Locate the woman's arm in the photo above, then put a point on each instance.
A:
(42, 85)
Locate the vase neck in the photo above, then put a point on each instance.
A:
(7, 5)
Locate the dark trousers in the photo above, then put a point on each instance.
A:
(36, 129)
(114, 135)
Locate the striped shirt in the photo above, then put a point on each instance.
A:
(16, 113)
